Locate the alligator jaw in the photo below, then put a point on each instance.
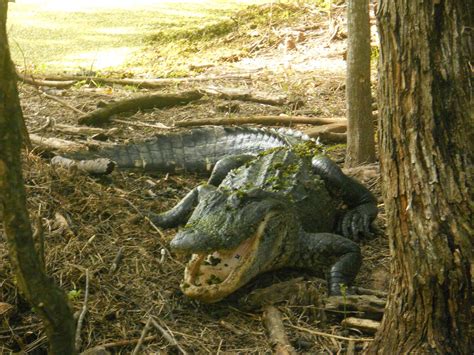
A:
(210, 278)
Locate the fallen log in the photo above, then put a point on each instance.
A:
(100, 166)
(329, 137)
(335, 127)
(263, 120)
(244, 95)
(366, 325)
(103, 114)
(276, 331)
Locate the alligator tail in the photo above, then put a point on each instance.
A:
(196, 150)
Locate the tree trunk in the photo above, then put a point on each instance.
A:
(360, 129)
(426, 149)
(47, 299)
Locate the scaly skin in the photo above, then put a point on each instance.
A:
(196, 150)
(279, 209)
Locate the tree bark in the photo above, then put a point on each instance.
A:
(426, 148)
(360, 128)
(47, 299)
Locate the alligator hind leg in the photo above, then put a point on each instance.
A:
(179, 214)
(223, 166)
(322, 251)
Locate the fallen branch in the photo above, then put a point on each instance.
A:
(335, 127)
(100, 166)
(142, 337)
(328, 137)
(145, 83)
(50, 83)
(334, 336)
(243, 95)
(120, 343)
(62, 102)
(366, 325)
(56, 144)
(102, 115)
(141, 124)
(82, 130)
(276, 331)
(263, 120)
(366, 304)
(169, 337)
(80, 320)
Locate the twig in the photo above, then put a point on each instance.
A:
(141, 124)
(83, 314)
(315, 332)
(119, 343)
(62, 102)
(142, 337)
(168, 336)
(43, 127)
(117, 260)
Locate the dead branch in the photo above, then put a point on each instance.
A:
(366, 304)
(168, 336)
(263, 120)
(81, 130)
(103, 114)
(142, 337)
(336, 127)
(329, 137)
(62, 102)
(244, 95)
(100, 166)
(120, 343)
(50, 83)
(366, 325)
(145, 83)
(276, 331)
(80, 321)
(296, 291)
(56, 144)
(141, 124)
(328, 335)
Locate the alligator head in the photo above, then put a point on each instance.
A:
(233, 237)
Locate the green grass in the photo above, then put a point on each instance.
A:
(142, 36)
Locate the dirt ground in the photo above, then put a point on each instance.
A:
(88, 221)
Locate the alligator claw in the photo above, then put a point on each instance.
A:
(357, 221)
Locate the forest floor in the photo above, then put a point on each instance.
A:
(87, 221)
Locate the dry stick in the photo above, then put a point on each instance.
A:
(141, 124)
(142, 337)
(119, 343)
(117, 260)
(276, 331)
(50, 83)
(103, 114)
(150, 83)
(315, 332)
(48, 123)
(169, 337)
(62, 102)
(83, 314)
(366, 325)
(265, 120)
(56, 143)
(243, 95)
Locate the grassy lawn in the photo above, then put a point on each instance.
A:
(136, 36)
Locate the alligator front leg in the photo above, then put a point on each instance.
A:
(362, 203)
(322, 251)
(179, 214)
(223, 166)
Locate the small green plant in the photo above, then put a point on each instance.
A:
(73, 295)
(344, 298)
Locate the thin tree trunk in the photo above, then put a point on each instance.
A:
(48, 300)
(360, 128)
(426, 148)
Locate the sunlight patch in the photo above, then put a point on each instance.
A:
(99, 59)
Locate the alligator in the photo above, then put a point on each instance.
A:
(289, 206)
(196, 150)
